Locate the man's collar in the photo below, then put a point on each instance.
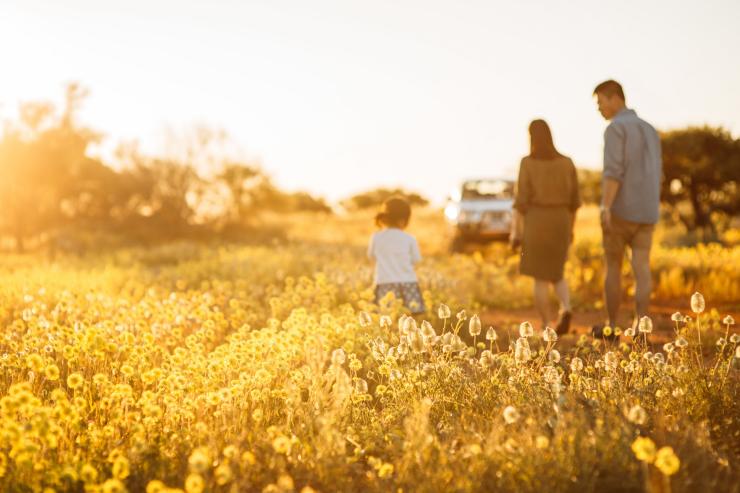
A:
(625, 112)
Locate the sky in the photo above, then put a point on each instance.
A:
(340, 96)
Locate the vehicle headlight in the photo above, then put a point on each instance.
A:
(452, 212)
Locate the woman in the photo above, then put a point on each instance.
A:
(544, 214)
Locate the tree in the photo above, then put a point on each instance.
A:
(241, 182)
(51, 189)
(589, 183)
(374, 198)
(251, 192)
(701, 168)
(43, 158)
(305, 202)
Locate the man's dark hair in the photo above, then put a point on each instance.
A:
(610, 88)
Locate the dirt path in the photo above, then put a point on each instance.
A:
(583, 320)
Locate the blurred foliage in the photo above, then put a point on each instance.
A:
(589, 181)
(702, 173)
(54, 193)
(51, 190)
(375, 198)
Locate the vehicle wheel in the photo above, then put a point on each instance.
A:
(457, 245)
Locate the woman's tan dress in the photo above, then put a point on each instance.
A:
(547, 196)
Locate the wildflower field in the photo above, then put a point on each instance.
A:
(267, 368)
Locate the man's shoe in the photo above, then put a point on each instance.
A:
(564, 323)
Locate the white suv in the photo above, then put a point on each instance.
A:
(480, 211)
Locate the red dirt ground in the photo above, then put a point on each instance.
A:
(583, 320)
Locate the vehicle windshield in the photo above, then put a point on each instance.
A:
(488, 189)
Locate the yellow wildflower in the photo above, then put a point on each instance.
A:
(281, 444)
(88, 474)
(121, 468)
(223, 474)
(113, 486)
(155, 486)
(644, 449)
(194, 483)
(51, 372)
(35, 362)
(385, 471)
(75, 380)
(667, 461)
(285, 483)
(199, 460)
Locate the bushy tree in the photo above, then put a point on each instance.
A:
(374, 198)
(50, 187)
(46, 175)
(305, 202)
(589, 183)
(702, 173)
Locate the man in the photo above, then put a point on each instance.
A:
(630, 199)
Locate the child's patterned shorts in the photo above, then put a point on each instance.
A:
(409, 292)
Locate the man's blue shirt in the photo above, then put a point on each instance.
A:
(632, 156)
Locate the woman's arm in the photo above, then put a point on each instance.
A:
(575, 200)
(521, 202)
(573, 225)
(517, 228)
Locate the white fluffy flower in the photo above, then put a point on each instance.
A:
(637, 415)
(611, 360)
(365, 319)
(474, 326)
(554, 356)
(549, 335)
(525, 329)
(645, 325)
(491, 334)
(697, 302)
(522, 353)
(338, 357)
(511, 415)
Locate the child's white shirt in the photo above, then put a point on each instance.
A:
(395, 253)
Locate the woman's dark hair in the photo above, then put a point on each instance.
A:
(395, 213)
(540, 141)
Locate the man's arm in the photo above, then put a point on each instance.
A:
(614, 158)
(611, 187)
(614, 169)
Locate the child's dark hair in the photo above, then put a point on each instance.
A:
(395, 213)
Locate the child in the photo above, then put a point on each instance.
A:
(395, 253)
